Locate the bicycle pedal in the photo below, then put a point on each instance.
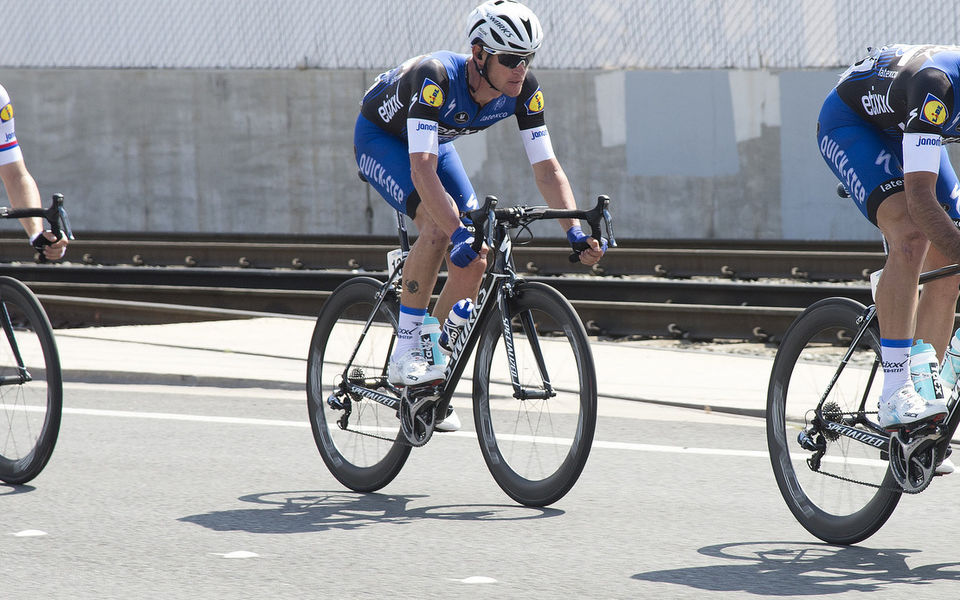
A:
(430, 388)
(912, 429)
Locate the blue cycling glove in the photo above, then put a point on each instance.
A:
(578, 240)
(462, 254)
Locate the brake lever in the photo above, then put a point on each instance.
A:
(487, 212)
(56, 217)
(593, 218)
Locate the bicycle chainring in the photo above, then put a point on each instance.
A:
(418, 414)
(913, 460)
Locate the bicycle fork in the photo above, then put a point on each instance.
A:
(529, 329)
(22, 375)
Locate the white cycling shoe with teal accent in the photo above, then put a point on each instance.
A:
(906, 407)
(411, 368)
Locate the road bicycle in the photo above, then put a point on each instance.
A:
(31, 385)
(840, 473)
(534, 385)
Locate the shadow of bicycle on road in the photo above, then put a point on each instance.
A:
(312, 511)
(9, 489)
(805, 569)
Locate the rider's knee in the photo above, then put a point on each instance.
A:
(474, 270)
(909, 244)
(947, 288)
(433, 237)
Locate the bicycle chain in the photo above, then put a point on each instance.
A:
(873, 485)
(379, 437)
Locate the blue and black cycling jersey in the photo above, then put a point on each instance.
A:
(434, 87)
(895, 90)
(904, 88)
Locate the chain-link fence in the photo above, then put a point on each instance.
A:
(333, 34)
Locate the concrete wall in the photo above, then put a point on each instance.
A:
(689, 154)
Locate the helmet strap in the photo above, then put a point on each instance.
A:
(483, 73)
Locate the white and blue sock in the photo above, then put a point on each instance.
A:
(408, 329)
(895, 358)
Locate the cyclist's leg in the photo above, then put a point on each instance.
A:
(868, 163)
(938, 300)
(385, 162)
(461, 282)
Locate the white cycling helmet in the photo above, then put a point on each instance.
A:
(504, 26)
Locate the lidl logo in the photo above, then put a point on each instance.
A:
(431, 94)
(6, 113)
(934, 111)
(535, 103)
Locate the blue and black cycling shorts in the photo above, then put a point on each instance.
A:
(384, 160)
(869, 162)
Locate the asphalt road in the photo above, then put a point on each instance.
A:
(187, 492)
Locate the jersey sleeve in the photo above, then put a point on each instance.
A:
(929, 94)
(429, 87)
(9, 147)
(533, 127)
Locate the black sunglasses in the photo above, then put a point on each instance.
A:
(512, 61)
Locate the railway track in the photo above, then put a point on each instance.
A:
(802, 261)
(721, 291)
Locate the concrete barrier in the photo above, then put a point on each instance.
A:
(683, 154)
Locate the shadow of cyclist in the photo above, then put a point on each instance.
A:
(309, 511)
(803, 569)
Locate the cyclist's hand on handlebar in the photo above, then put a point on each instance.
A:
(462, 254)
(49, 245)
(589, 249)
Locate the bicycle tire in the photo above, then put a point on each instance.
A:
(359, 457)
(536, 449)
(30, 411)
(832, 509)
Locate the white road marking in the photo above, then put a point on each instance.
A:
(96, 412)
(237, 554)
(476, 579)
(29, 533)
(597, 444)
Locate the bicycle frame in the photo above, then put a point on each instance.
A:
(498, 284)
(23, 376)
(56, 216)
(881, 438)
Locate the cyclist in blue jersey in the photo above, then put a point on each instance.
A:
(20, 185)
(407, 120)
(881, 131)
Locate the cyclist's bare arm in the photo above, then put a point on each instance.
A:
(433, 198)
(556, 191)
(23, 193)
(920, 189)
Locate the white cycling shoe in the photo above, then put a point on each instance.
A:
(452, 422)
(410, 368)
(945, 468)
(906, 407)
